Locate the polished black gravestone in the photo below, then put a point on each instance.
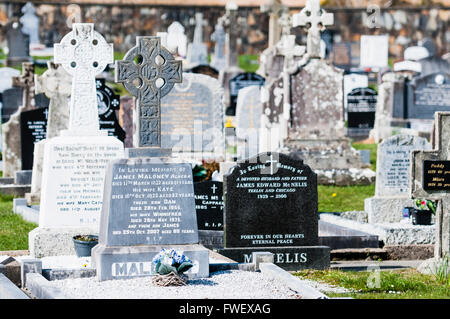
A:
(436, 175)
(241, 81)
(33, 128)
(108, 104)
(271, 205)
(361, 107)
(209, 207)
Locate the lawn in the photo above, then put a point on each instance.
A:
(387, 284)
(13, 228)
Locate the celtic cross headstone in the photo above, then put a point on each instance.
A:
(315, 20)
(83, 53)
(148, 71)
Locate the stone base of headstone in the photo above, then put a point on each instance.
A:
(289, 258)
(211, 239)
(33, 198)
(7, 187)
(36, 179)
(345, 177)
(55, 241)
(224, 168)
(147, 152)
(385, 209)
(122, 262)
(22, 177)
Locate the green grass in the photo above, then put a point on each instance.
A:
(248, 62)
(343, 198)
(13, 228)
(392, 284)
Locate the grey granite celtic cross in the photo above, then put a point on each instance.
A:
(26, 82)
(148, 71)
(83, 53)
(314, 19)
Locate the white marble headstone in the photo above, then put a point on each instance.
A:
(176, 39)
(374, 51)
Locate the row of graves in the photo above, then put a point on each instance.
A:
(135, 189)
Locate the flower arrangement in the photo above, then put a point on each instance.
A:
(169, 268)
(425, 204)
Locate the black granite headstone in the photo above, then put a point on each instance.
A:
(361, 107)
(33, 128)
(108, 103)
(271, 205)
(241, 81)
(428, 94)
(12, 99)
(209, 205)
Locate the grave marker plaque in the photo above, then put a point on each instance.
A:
(361, 107)
(436, 175)
(33, 128)
(209, 205)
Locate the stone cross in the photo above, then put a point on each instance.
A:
(231, 24)
(26, 82)
(214, 187)
(430, 171)
(219, 37)
(315, 20)
(56, 84)
(271, 161)
(148, 72)
(198, 31)
(276, 8)
(83, 53)
(285, 22)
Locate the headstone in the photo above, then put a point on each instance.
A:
(374, 51)
(408, 66)
(200, 128)
(176, 39)
(18, 44)
(149, 201)
(75, 162)
(429, 180)
(361, 107)
(239, 82)
(271, 205)
(427, 95)
(392, 181)
(315, 20)
(204, 69)
(209, 207)
(275, 8)
(12, 155)
(108, 104)
(33, 128)
(341, 55)
(415, 53)
(6, 75)
(30, 23)
(353, 81)
(197, 52)
(248, 121)
(218, 60)
(56, 84)
(126, 118)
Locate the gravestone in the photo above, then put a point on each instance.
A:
(75, 162)
(271, 205)
(374, 51)
(199, 99)
(415, 53)
(218, 60)
(176, 39)
(428, 94)
(248, 121)
(30, 23)
(197, 52)
(11, 138)
(392, 181)
(204, 69)
(353, 81)
(341, 55)
(149, 200)
(18, 44)
(275, 8)
(429, 180)
(33, 128)
(209, 207)
(239, 82)
(6, 75)
(56, 84)
(108, 104)
(361, 107)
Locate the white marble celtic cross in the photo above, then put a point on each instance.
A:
(83, 53)
(198, 31)
(275, 8)
(148, 71)
(314, 19)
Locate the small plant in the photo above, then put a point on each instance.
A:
(425, 204)
(442, 270)
(85, 238)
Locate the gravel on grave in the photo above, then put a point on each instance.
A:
(230, 284)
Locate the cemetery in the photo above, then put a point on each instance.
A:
(216, 149)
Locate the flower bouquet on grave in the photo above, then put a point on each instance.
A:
(422, 215)
(169, 266)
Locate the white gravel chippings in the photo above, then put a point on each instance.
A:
(230, 284)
